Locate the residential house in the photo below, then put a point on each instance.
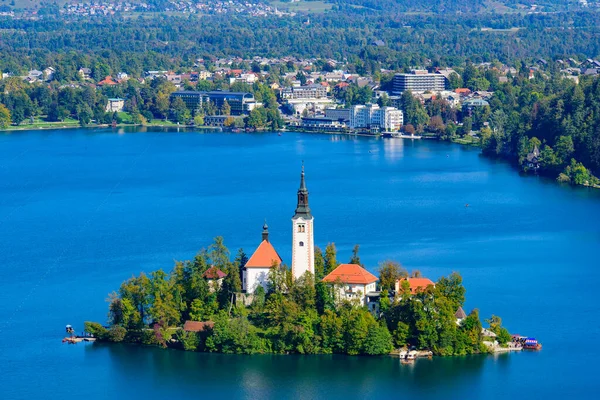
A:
(115, 105)
(85, 73)
(415, 285)
(460, 315)
(532, 161)
(108, 81)
(214, 277)
(351, 282)
(49, 73)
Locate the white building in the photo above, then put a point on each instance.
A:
(371, 116)
(115, 105)
(303, 246)
(391, 119)
(314, 91)
(256, 271)
(351, 281)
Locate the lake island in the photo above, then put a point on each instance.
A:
(318, 306)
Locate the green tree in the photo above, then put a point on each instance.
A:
(389, 273)
(4, 117)
(355, 259)
(330, 258)
(225, 108)
(179, 111)
(319, 264)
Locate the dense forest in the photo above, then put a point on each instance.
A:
(300, 316)
(170, 42)
(546, 111)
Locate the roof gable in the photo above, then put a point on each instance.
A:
(214, 273)
(350, 273)
(264, 256)
(417, 284)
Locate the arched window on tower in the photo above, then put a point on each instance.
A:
(301, 228)
(301, 244)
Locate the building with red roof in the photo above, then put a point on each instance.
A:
(108, 81)
(214, 276)
(352, 282)
(256, 271)
(416, 285)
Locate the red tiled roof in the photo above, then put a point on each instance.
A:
(350, 273)
(417, 284)
(342, 85)
(462, 90)
(214, 273)
(107, 81)
(264, 256)
(195, 326)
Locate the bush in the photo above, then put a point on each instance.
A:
(116, 333)
(96, 330)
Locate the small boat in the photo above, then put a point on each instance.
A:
(532, 344)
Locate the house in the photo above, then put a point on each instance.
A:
(415, 285)
(214, 276)
(85, 73)
(533, 159)
(462, 91)
(108, 81)
(115, 105)
(460, 315)
(351, 281)
(122, 76)
(196, 326)
(256, 271)
(49, 73)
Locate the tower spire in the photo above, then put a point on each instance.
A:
(265, 232)
(302, 208)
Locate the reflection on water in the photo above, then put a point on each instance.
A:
(274, 376)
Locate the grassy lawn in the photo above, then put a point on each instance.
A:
(470, 140)
(160, 122)
(39, 123)
(303, 6)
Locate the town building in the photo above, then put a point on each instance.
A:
(214, 277)
(415, 285)
(532, 161)
(351, 281)
(256, 271)
(374, 118)
(85, 73)
(418, 81)
(339, 114)
(115, 105)
(303, 245)
(240, 103)
(460, 315)
(314, 91)
(322, 123)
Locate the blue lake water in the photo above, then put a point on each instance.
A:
(82, 210)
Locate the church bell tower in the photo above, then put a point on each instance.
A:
(303, 247)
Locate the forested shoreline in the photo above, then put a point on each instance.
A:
(301, 316)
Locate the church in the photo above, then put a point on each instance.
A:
(256, 271)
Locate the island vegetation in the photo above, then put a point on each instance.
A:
(300, 316)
